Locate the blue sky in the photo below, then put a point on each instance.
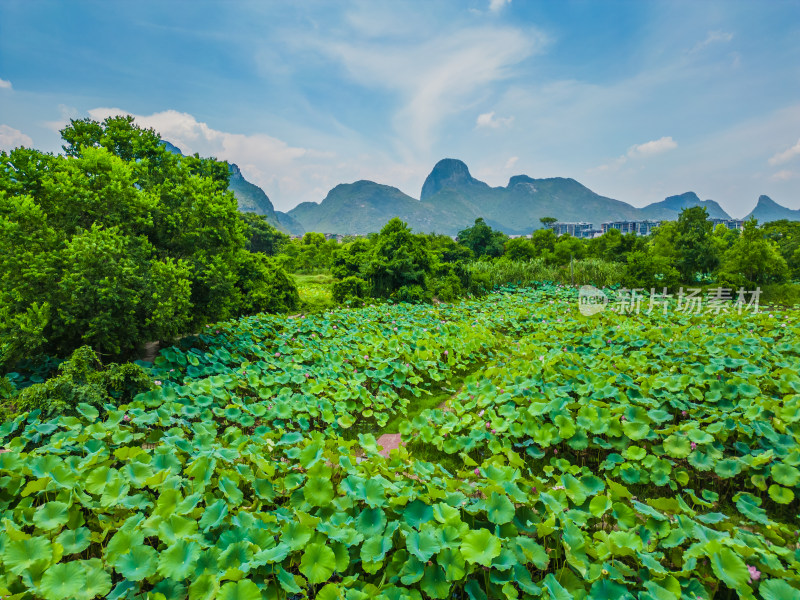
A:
(636, 100)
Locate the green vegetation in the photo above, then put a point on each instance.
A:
(613, 456)
(120, 242)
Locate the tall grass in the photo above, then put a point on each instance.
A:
(586, 271)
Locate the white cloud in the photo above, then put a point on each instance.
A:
(497, 5)
(650, 148)
(488, 120)
(436, 77)
(784, 175)
(713, 37)
(786, 155)
(511, 162)
(11, 138)
(653, 147)
(5, 85)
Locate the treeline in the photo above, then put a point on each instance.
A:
(118, 242)
(398, 264)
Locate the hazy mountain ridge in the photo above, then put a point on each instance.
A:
(767, 209)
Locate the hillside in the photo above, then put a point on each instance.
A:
(667, 208)
(767, 209)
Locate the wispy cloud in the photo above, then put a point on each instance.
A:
(437, 77)
(511, 162)
(713, 37)
(5, 85)
(644, 150)
(489, 120)
(786, 155)
(783, 175)
(653, 147)
(11, 138)
(498, 5)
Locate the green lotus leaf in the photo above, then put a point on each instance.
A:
(499, 509)
(412, 571)
(51, 515)
(604, 589)
(213, 515)
(64, 580)
(318, 563)
(731, 569)
(635, 453)
(434, 582)
(453, 563)
(785, 474)
(574, 489)
(239, 590)
(416, 513)
(375, 548)
(98, 581)
(33, 553)
(677, 446)
(424, 543)
(89, 412)
(777, 589)
(137, 564)
(599, 505)
(480, 547)
(699, 437)
(74, 540)
(555, 589)
(371, 522)
(295, 535)
(318, 491)
(730, 467)
(781, 495)
(179, 560)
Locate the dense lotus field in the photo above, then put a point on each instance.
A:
(607, 457)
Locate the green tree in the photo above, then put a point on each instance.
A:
(568, 247)
(520, 249)
(649, 271)
(400, 264)
(695, 250)
(547, 221)
(261, 236)
(482, 239)
(754, 258)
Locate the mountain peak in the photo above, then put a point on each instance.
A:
(448, 173)
(766, 201)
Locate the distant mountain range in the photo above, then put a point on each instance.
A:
(768, 210)
(451, 200)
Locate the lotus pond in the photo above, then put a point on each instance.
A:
(548, 455)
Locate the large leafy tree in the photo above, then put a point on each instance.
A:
(400, 263)
(118, 242)
(482, 239)
(754, 258)
(695, 250)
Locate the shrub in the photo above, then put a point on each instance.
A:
(350, 290)
(83, 378)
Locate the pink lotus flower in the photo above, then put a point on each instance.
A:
(493, 431)
(277, 354)
(488, 425)
(445, 352)
(754, 573)
(157, 382)
(480, 414)
(126, 418)
(622, 418)
(477, 471)
(693, 445)
(684, 413)
(533, 490)
(366, 357)
(555, 451)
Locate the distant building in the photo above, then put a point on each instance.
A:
(578, 230)
(729, 223)
(637, 227)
